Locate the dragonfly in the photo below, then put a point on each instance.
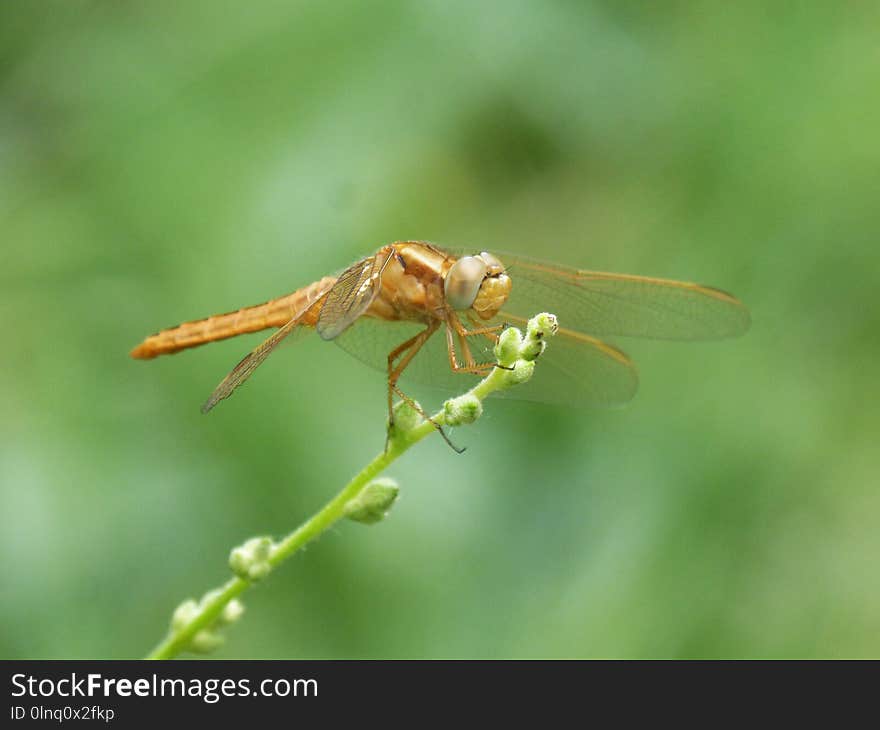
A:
(430, 315)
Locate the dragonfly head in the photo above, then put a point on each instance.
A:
(479, 283)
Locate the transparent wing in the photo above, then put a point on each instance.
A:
(352, 294)
(252, 361)
(575, 369)
(604, 304)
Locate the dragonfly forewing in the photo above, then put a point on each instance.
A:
(352, 294)
(620, 305)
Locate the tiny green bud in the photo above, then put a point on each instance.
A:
(373, 502)
(183, 614)
(205, 641)
(521, 372)
(251, 560)
(532, 349)
(208, 638)
(508, 347)
(460, 411)
(540, 327)
(405, 417)
(545, 322)
(232, 611)
(209, 596)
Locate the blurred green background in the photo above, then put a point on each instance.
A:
(165, 161)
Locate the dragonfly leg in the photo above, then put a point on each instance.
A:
(415, 406)
(490, 333)
(406, 351)
(454, 328)
(469, 364)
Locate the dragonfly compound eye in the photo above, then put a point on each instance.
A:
(493, 266)
(463, 282)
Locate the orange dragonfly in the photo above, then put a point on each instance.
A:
(386, 308)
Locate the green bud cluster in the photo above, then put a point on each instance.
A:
(251, 560)
(516, 353)
(210, 638)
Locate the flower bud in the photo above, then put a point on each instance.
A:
(232, 611)
(183, 614)
(507, 349)
(463, 410)
(521, 372)
(250, 561)
(405, 417)
(205, 641)
(373, 502)
(540, 327)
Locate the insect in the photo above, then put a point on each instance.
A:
(387, 308)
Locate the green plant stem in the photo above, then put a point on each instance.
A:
(178, 640)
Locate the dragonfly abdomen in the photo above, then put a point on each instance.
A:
(274, 313)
